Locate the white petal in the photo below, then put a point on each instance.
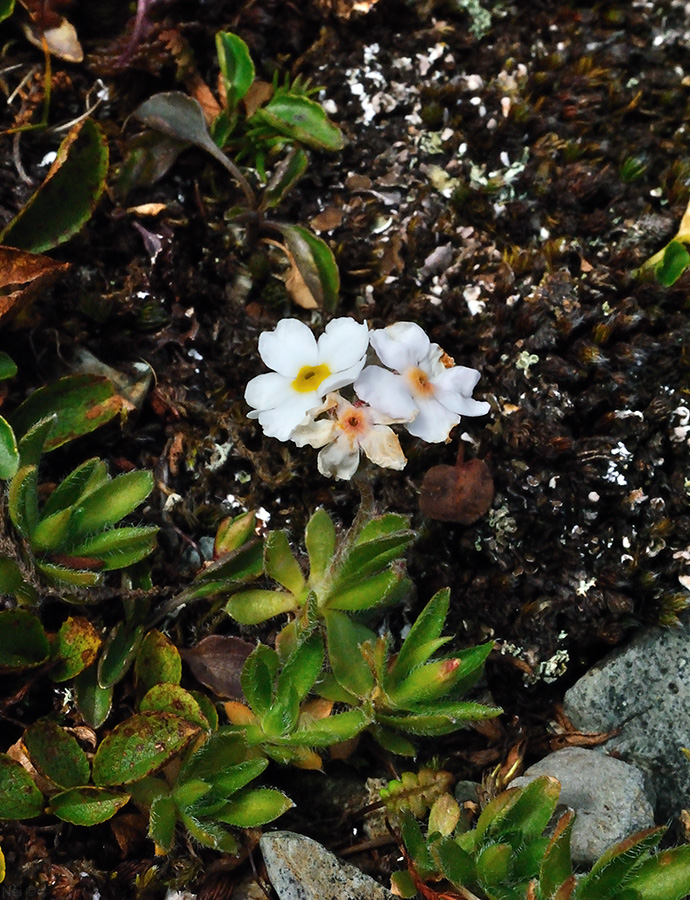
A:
(382, 447)
(434, 422)
(282, 421)
(460, 379)
(401, 345)
(463, 406)
(338, 460)
(342, 379)
(289, 347)
(386, 392)
(268, 391)
(316, 434)
(343, 344)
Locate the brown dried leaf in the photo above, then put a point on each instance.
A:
(23, 276)
(258, 95)
(203, 95)
(327, 220)
(462, 493)
(216, 662)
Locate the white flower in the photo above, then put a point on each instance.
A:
(425, 389)
(349, 428)
(304, 371)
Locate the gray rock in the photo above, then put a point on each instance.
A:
(644, 690)
(607, 794)
(301, 869)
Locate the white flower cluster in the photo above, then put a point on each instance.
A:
(420, 388)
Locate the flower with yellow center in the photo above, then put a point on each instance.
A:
(304, 371)
(349, 428)
(422, 390)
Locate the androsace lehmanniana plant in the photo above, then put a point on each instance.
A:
(421, 388)
(506, 855)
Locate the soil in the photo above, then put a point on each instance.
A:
(498, 186)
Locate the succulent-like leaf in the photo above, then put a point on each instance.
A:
(69, 573)
(157, 661)
(210, 834)
(236, 66)
(32, 443)
(425, 684)
(416, 845)
(615, 867)
(19, 796)
(331, 730)
(281, 718)
(139, 746)
(258, 678)
(239, 776)
(280, 564)
(528, 811)
(233, 533)
(110, 503)
(75, 647)
(438, 718)
(216, 757)
(320, 540)
(87, 805)
(118, 548)
(23, 500)
(69, 193)
(424, 634)
(673, 263)
(51, 532)
(56, 754)
(493, 864)
(254, 806)
(455, 863)
(302, 667)
(23, 641)
(368, 593)
(253, 606)
(81, 482)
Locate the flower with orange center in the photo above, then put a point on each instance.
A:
(304, 371)
(347, 430)
(422, 390)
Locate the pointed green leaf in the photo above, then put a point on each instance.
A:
(426, 630)
(139, 746)
(493, 864)
(344, 639)
(110, 503)
(9, 454)
(286, 175)
(238, 776)
(119, 547)
(373, 556)
(425, 684)
(233, 533)
(528, 811)
(87, 805)
(281, 718)
(556, 866)
(368, 594)
(382, 526)
(75, 647)
(19, 796)
(77, 485)
(236, 66)
(69, 193)
(674, 262)
(23, 500)
(64, 574)
(8, 367)
(51, 532)
(416, 845)
(190, 792)
(56, 754)
(439, 718)
(280, 564)
(254, 606)
(162, 821)
(331, 730)
(302, 667)
(453, 862)
(253, 807)
(616, 865)
(32, 444)
(23, 641)
(319, 537)
(210, 834)
(391, 741)
(217, 756)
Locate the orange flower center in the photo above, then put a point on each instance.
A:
(353, 423)
(309, 378)
(420, 383)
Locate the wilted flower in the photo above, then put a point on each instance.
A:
(349, 428)
(304, 371)
(425, 389)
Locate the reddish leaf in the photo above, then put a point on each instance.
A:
(461, 493)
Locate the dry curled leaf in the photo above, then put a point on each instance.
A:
(23, 276)
(461, 493)
(216, 662)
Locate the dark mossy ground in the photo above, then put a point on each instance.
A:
(499, 191)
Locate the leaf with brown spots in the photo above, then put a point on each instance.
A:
(23, 277)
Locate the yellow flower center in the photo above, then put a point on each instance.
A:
(420, 383)
(309, 378)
